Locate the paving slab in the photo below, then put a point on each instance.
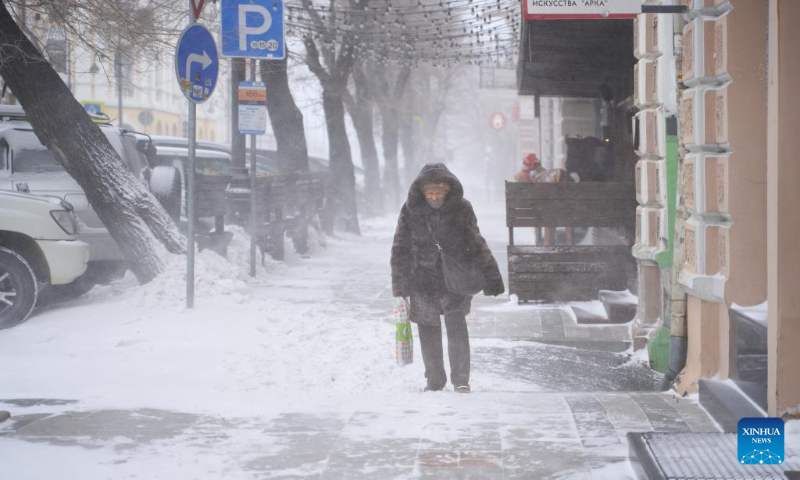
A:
(565, 415)
(513, 435)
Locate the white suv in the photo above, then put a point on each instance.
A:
(28, 166)
(38, 246)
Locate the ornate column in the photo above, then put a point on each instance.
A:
(722, 118)
(654, 97)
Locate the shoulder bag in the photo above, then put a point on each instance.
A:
(462, 274)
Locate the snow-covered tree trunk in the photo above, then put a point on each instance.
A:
(389, 138)
(238, 140)
(132, 215)
(429, 100)
(286, 118)
(408, 143)
(390, 98)
(341, 161)
(361, 112)
(334, 84)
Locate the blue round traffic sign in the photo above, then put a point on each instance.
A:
(196, 63)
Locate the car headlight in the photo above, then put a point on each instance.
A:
(66, 221)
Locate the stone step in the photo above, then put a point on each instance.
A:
(620, 306)
(586, 315)
(727, 404)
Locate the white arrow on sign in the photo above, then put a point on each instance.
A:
(203, 59)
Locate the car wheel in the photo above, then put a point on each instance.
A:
(18, 289)
(165, 184)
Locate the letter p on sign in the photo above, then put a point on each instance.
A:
(245, 30)
(253, 29)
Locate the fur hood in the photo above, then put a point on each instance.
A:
(434, 173)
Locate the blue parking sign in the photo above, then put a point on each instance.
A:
(253, 29)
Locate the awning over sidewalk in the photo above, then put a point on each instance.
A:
(574, 58)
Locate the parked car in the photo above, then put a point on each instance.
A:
(216, 158)
(28, 166)
(211, 158)
(39, 247)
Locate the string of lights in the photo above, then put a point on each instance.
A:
(440, 33)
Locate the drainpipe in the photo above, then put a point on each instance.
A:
(678, 328)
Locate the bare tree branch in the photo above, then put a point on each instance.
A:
(147, 27)
(312, 60)
(344, 64)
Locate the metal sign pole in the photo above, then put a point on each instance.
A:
(265, 41)
(196, 48)
(190, 197)
(190, 208)
(253, 217)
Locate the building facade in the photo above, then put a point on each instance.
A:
(734, 226)
(712, 112)
(655, 100)
(151, 100)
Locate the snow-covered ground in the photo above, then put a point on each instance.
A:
(308, 335)
(278, 368)
(293, 335)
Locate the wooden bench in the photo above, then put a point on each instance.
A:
(551, 272)
(286, 204)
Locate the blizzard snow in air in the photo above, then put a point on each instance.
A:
(310, 336)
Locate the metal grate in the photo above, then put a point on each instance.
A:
(710, 456)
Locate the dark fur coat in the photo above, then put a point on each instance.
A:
(415, 259)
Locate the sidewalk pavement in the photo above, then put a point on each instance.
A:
(567, 419)
(515, 435)
(575, 395)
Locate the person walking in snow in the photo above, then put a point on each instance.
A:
(436, 200)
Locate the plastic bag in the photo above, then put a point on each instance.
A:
(404, 342)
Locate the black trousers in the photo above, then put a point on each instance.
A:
(430, 337)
